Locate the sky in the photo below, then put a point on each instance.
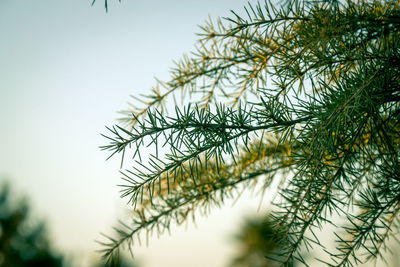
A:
(66, 69)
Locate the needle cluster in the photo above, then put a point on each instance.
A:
(306, 93)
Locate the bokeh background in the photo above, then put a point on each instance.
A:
(66, 68)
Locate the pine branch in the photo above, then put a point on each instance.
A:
(322, 80)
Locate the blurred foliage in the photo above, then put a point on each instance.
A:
(23, 242)
(121, 261)
(256, 242)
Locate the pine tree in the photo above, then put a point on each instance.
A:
(255, 239)
(305, 94)
(22, 242)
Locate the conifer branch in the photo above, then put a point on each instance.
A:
(312, 93)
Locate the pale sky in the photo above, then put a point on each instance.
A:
(66, 68)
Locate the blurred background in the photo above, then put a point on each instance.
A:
(66, 69)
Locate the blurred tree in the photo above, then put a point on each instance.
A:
(306, 93)
(256, 240)
(121, 261)
(22, 242)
